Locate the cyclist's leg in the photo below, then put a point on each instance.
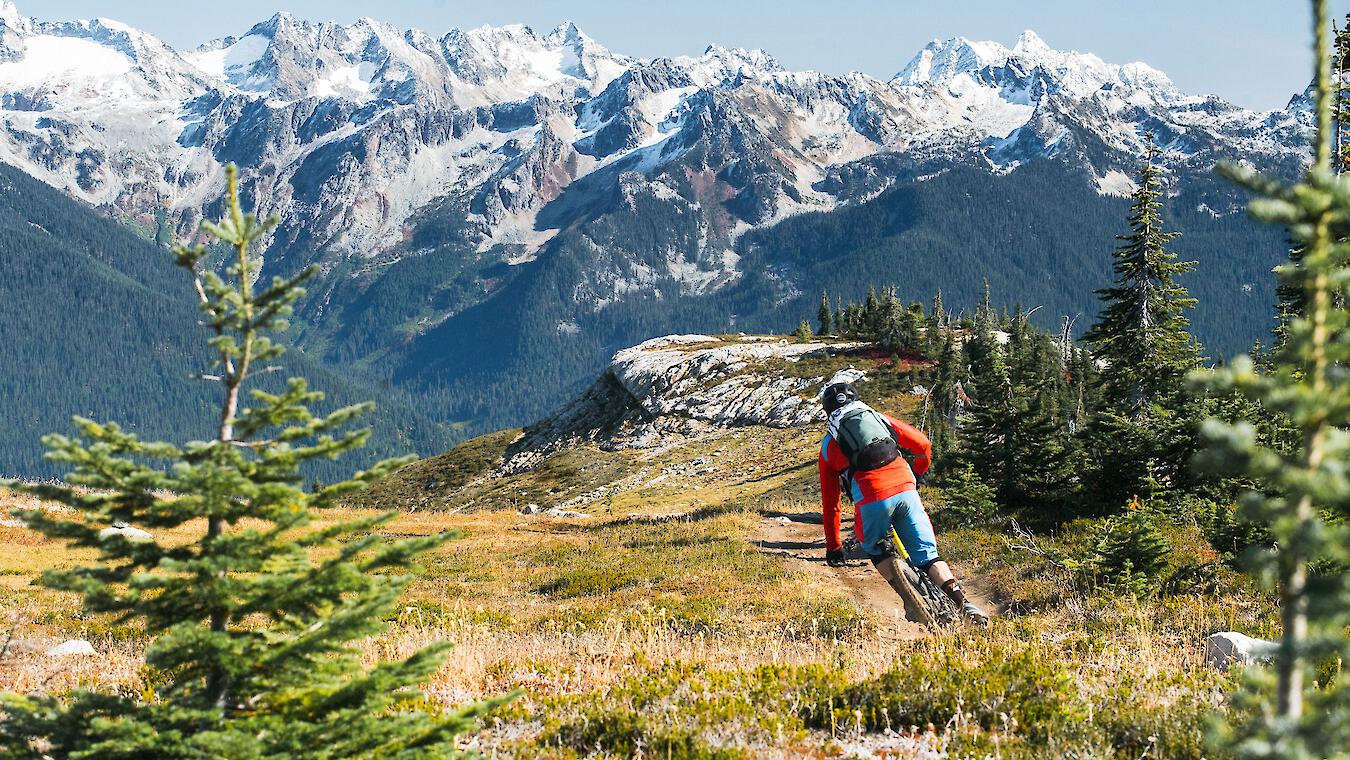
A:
(916, 531)
(874, 526)
(873, 522)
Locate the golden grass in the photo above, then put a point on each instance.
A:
(576, 611)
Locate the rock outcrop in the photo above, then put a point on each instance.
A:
(669, 390)
(125, 531)
(1229, 647)
(73, 647)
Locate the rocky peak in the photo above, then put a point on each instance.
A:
(351, 130)
(10, 16)
(719, 65)
(941, 62)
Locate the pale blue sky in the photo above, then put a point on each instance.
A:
(1251, 52)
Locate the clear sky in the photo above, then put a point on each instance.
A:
(1251, 52)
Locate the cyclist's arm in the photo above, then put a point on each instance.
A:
(829, 501)
(913, 440)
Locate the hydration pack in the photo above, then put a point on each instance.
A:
(864, 436)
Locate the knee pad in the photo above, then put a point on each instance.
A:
(924, 567)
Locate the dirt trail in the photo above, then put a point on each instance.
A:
(798, 537)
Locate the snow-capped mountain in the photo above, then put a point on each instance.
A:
(348, 131)
(497, 179)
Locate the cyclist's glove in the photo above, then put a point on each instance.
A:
(836, 558)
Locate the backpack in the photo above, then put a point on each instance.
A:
(865, 437)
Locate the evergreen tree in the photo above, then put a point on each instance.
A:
(1291, 297)
(966, 499)
(1043, 456)
(1141, 333)
(1130, 551)
(982, 343)
(984, 435)
(1299, 490)
(856, 320)
(1085, 389)
(825, 317)
(935, 327)
(1340, 99)
(1145, 430)
(897, 327)
(945, 402)
(871, 313)
(254, 624)
(1017, 437)
(803, 331)
(1290, 304)
(939, 319)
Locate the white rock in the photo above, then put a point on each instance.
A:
(72, 647)
(1229, 647)
(531, 509)
(130, 533)
(567, 513)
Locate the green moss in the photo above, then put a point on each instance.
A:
(625, 733)
(587, 582)
(1012, 698)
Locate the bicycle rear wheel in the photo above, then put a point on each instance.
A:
(940, 606)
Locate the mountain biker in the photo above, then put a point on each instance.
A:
(862, 453)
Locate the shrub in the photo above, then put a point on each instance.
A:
(1130, 552)
(966, 499)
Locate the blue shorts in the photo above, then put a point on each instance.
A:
(905, 512)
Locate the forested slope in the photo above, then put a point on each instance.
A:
(97, 321)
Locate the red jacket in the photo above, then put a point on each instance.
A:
(874, 485)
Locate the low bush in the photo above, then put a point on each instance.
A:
(1130, 552)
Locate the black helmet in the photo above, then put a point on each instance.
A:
(837, 395)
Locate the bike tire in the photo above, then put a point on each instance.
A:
(940, 607)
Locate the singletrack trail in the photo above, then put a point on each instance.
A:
(799, 540)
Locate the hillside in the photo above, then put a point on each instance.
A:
(676, 604)
(95, 321)
(497, 202)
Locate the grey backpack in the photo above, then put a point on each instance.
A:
(866, 439)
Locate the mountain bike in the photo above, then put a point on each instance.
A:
(921, 595)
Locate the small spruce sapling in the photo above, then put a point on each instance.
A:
(966, 499)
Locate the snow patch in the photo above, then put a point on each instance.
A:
(48, 58)
(351, 81)
(231, 62)
(1118, 183)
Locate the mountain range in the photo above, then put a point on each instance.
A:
(496, 211)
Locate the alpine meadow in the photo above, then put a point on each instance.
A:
(378, 393)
